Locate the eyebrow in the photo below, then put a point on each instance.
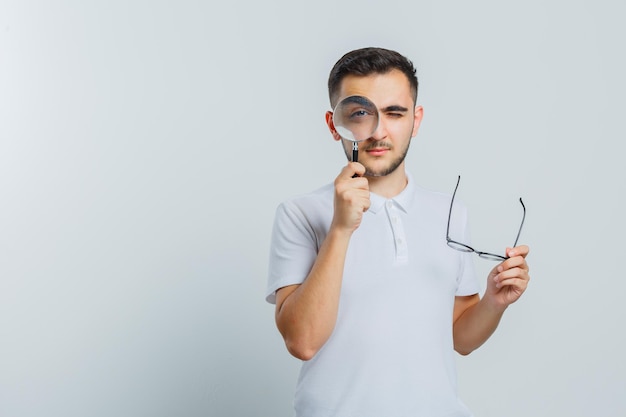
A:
(394, 108)
(357, 100)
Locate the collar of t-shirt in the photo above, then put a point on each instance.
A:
(403, 200)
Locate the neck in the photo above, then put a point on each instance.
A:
(390, 185)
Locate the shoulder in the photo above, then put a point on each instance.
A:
(432, 197)
(434, 204)
(310, 202)
(436, 199)
(312, 210)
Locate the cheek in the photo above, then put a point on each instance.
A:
(403, 129)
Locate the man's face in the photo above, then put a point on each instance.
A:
(399, 120)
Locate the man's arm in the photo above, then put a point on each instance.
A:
(306, 313)
(476, 319)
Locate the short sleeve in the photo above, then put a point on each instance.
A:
(293, 249)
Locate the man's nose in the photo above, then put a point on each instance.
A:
(381, 131)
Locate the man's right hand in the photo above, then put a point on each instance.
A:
(352, 198)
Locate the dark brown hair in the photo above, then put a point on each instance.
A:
(368, 61)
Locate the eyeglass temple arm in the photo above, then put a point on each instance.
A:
(521, 225)
(450, 212)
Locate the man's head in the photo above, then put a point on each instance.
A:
(388, 80)
(369, 61)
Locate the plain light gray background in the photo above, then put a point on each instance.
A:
(145, 145)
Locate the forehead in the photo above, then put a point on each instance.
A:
(391, 88)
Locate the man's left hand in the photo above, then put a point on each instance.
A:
(508, 280)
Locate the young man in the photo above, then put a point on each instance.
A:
(367, 292)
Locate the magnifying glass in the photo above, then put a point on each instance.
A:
(355, 119)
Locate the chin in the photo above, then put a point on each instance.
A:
(380, 171)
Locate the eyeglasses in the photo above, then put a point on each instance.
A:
(465, 248)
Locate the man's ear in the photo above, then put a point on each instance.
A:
(417, 120)
(331, 125)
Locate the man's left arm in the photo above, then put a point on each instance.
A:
(475, 319)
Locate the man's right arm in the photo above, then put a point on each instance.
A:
(306, 313)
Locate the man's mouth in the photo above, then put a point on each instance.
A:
(377, 151)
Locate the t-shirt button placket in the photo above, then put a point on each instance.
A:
(398, 231)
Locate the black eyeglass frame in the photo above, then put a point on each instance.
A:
(466, 248)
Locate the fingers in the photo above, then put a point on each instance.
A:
(508, 280)
(513, 262)
(347, 184)
(513, 271)
(352, 197)
(351, 194)
(517, 258)
(521, 250)
(351, 170)
(516, 277)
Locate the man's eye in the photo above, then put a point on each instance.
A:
(359, 113)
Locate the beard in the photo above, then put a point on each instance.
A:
(381, 171)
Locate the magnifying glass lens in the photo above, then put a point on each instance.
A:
(355, 118)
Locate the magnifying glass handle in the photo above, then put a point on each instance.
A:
(355, 154)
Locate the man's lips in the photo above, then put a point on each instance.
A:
(377, 151)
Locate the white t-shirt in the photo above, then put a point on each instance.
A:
(391, 352)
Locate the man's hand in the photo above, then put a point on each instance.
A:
(352, 198)
(508, 280)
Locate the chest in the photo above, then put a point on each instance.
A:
(400, 255)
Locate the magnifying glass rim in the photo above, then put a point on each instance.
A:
(335, 112)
